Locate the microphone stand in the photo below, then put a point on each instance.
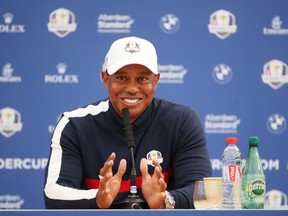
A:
(133, 201)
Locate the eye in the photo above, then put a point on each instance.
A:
(142, 79)
(122, 78)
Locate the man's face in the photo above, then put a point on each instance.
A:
(133, 87)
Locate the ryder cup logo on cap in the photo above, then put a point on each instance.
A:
(130, 50)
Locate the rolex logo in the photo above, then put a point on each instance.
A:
(8, 18)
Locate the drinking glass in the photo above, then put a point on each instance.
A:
(202, 201)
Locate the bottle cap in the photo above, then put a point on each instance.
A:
(253, 140)
(231, 140)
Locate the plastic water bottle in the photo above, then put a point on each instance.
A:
(231, 175)
(253, 182)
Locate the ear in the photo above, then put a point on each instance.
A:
(157, 77)
(104, 77)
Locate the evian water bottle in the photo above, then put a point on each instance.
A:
(231, 174)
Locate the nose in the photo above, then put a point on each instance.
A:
(132, 87)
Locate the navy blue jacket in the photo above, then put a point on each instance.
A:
(84, 138)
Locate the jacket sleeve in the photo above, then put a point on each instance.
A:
(63, 187)
(192, 161)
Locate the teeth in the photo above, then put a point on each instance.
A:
(131, 101)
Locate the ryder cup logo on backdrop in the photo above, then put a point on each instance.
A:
(7, 75)
(61, 22)
(222, 24)
(275, 27)
(276, 199)
(11, 28)
(116, 23)
(275, 73)
(276, 123)
(10, 121)
(61, 78)
(172, 74)
(222, 73)
(169, 23)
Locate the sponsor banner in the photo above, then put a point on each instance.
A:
(23, 163)
(222, 24)
(9, 27)
(221, 124)
(276, 27)
(10, 122)
(267, 164)
(9, 201)
(7, 75)
(114, 23)
(62, 22)
(61, 77)
(169, 23)
(172, 74)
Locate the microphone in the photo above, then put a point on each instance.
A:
(133, 201)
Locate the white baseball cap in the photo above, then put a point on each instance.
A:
(130, 50)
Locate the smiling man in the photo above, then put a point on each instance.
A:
(132, 87)
(170, 148)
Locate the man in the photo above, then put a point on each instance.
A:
(90, 163)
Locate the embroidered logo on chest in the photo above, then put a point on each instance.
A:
(152, 155)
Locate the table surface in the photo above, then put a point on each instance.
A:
(36, 212)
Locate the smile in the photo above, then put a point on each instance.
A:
(131, 101)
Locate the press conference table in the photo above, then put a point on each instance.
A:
(191, 212)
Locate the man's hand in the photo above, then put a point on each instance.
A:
(153, 188)
(109, 185)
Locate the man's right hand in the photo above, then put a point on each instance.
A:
(109, 185)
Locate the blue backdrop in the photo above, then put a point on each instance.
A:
(225, 59)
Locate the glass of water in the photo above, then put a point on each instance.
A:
(202, 201)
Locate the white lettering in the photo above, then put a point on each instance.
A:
(10, 201)
(267, 164)
(17, 163)
(120, 25)
(9, 163)
(61, 79)
(270, 164)
(10, 79)
(216, 164)
(12, 29)
(26, 163)
(117, 17)
(268, 31)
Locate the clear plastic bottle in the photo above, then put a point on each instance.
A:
(231, 174)
(253, 181)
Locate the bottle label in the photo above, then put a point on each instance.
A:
(254, 189)
(234, 173)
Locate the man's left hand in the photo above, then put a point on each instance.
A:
(153, 187)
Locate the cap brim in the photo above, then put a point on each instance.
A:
(111, 69)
